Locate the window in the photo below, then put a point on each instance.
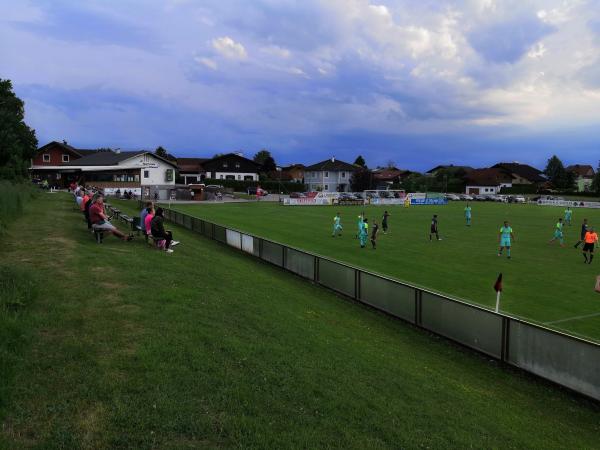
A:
(230, 177)
(65, 158)
(326, 174)
(221, 177)
(46, 157)
(225, 165)
(343, 174)
(237, 165)
(248, 177)
(239, 177)
(326, 187)
(146, 174)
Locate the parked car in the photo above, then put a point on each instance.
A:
(252, 191)
(479, 197)
(452, 197)
(466, 197)
(519, 199)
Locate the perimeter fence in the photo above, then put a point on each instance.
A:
(567, 360)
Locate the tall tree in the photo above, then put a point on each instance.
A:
(160, 151)
(269, 165)
(360, 161)
(556, 173)
(596, 181)
(261, 156)
(18, 143)
(361, 179)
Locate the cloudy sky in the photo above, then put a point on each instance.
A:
(417, 82)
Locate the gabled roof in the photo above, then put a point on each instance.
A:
(231, 155)
(191, 164)
(110, 158)
(487, 177)
(582, 170)
(332, 165)
(69, 148)
(523, 170)
(294, 166)
(449, 166)
(390, 174)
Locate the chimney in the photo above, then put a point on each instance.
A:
(333, 159)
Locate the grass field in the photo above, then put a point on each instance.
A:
(542, 282)
(120, 346)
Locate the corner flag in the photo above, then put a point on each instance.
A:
(498, 289)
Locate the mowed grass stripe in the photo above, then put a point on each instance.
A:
(542, 282)
(132, 348)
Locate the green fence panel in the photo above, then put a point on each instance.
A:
(187, 221)
(272, 252)
(219, 233)
(300, 263)
(207, 229)
(557, 357)
(471, 326)
(387, 295)
(196, 225)
(337, 276)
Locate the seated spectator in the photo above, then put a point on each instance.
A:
(158, 232)
(148, 221)
(101, 223)
(79, 199)
(143, 214)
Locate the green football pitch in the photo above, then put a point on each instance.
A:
(543, 282)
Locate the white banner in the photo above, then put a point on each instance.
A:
(571, 203)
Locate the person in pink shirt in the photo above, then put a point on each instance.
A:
(148, 220)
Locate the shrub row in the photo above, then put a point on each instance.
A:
(13, 198)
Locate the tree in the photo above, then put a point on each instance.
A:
(160, 151)
(269, 165)
(596, 181)
(361, 179)
(390, 164)
(261, 156)
(360, 161)
(557, 174)
(18, 143)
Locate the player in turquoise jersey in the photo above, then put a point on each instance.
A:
(558, 233)
(468, 215)
(568, 215)
(363, 235)
(337, 225)
(505, 237)
(360, 224)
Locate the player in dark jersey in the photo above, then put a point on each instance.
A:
(434, 228)
(584, 229)
(384, 222)
(374, 232)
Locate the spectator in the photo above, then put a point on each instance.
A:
(118, 193)
(101, 222)
(157, 229)
(79, 199)
(148, 220)
(143, 214)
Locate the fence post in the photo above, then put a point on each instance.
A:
(418, 307)
(356, 284)
(316, 277)
(505, 339)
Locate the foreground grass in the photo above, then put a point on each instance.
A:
(542, 282)
(121, 346)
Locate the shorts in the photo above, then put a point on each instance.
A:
(505, 242)
(106, 226)
(588, 247)
(558, 234)
(433, 230)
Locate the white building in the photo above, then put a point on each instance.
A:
(330, 175)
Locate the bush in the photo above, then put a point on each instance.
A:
(520, 189)
(271, 186)
(13, 198)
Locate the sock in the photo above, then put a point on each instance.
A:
(508, 252)
(585, 257)
(591, 257)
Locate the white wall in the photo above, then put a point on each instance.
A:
(492, 190)
(156, 168)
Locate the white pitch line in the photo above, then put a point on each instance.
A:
(572, 318)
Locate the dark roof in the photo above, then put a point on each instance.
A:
(294, 166)
(228, 156)
(523, 170)
(582, 170)
(331, 165)
(103, 158)
(449, 166)
(487, 177)
(71, 149)
(191, 164)
(390, 174)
